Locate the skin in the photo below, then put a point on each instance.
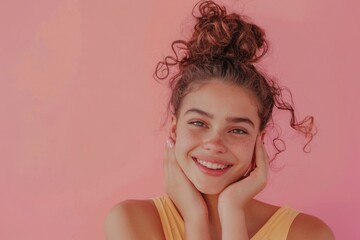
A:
(213, 207)
(206, 129)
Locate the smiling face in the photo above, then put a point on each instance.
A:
(215, 134)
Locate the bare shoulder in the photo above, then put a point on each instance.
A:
(309, 227)
(133, 219)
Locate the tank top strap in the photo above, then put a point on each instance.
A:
(172, 222)
(277, 227)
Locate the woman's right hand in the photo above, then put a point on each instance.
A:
(181, 191)
(187, 199)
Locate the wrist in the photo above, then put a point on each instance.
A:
(233, 224)
(231, 204)
(196, 215)
(197, 228)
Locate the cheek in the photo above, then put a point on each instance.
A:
(186, 140)
(244, 150)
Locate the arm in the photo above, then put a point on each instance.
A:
(233, 225)
(233, 199)
(197, 228)
(186, 197)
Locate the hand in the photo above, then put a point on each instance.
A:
(186, 197)
(182, 192)
(232, 200)
(239, 193)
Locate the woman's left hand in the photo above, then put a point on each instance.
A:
(232, 200)
(239, 193)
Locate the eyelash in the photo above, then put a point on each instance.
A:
(201, 124)
(241, 130)
(197, 123)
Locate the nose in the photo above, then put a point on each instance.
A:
(215, 144)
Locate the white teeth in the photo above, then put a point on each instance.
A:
(211, 165)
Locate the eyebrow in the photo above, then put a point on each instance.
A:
(228, 119)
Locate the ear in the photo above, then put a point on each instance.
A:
(173, 127)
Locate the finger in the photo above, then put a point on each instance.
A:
(169, 149)
(170, 142)
(167, 158)
(261, 156)
(170, 164)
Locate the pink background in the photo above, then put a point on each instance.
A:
(80, 124)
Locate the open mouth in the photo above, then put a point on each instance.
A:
(210, 165)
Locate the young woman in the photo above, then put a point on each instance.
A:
(215, 161)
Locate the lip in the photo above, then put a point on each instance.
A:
(212, 172)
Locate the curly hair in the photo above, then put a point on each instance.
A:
(227, 47)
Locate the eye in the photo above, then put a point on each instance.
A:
(239, 131)
(197, 123)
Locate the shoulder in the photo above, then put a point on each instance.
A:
(133, 219)
(309, 227)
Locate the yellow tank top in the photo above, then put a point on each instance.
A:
(276, 228)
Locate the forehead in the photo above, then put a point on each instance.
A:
(222, 100)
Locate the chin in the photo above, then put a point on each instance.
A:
(209, 190)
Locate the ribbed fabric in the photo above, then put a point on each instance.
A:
(276, 228)
(172, 223)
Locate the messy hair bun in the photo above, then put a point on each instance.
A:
(228, 36)
(226, 46)
(217, 36)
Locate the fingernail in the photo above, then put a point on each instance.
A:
(169, 143)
